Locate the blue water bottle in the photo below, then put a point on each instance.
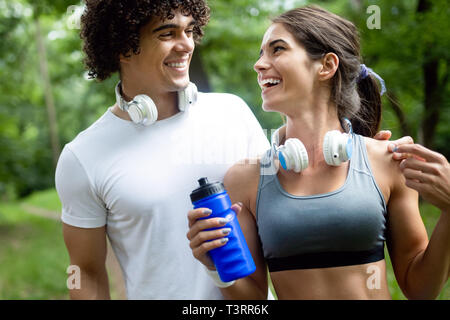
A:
(233, 260)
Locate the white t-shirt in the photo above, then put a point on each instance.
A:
(137, 180)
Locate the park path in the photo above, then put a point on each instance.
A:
(117, 284)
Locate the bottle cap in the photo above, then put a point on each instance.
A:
(206, 189)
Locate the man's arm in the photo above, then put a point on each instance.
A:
(87, 250)
(421, 266)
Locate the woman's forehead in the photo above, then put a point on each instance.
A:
(274, 32)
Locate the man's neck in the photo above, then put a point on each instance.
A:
(166, 102)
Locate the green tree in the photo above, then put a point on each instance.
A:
(26, 157)
(411, 51)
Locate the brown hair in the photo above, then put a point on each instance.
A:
(320, 32)
(112, 27)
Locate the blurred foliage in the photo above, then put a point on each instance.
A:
(407, 40)
(25, 151)
(229, 50)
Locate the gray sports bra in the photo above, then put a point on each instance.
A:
(339, 228)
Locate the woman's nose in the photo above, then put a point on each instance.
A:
(261, 64)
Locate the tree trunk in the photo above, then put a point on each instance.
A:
(432, 95)
(49, 102)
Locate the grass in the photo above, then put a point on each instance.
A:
(33, 257)
(47, 199)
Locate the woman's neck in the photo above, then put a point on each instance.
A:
(310, 127)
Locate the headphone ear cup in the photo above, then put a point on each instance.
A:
(284, 161)
(337, 147)
(326, 149)
(348, 148)
(143, 110)
(187, 96)
(295, 155)
(329, 148)
(301, 155)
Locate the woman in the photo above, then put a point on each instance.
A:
(321, 228)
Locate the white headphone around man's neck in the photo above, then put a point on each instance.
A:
(142, 109)
(337, 148)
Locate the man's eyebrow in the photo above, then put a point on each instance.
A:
(171, 26)
(271, 44)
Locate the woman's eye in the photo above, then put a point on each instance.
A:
(278, 48)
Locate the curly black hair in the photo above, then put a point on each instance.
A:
(111, 27)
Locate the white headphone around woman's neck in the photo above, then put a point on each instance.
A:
(337, 148)
(142, 109)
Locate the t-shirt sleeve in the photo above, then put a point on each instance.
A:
(81, 206)
(257, 139)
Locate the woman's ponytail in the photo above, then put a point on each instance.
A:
(367, 120)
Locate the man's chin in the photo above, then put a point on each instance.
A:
(181, 85)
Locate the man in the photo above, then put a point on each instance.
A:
(131, 182)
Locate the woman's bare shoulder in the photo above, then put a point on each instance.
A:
(241, 181)
(378, 152)
(243, 173)
(386, 170)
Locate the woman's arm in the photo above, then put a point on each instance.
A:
(421, 266)
(240, 183)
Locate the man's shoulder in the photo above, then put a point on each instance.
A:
(222, 106)
(93, 137)
(220, 96)
(221, 100)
